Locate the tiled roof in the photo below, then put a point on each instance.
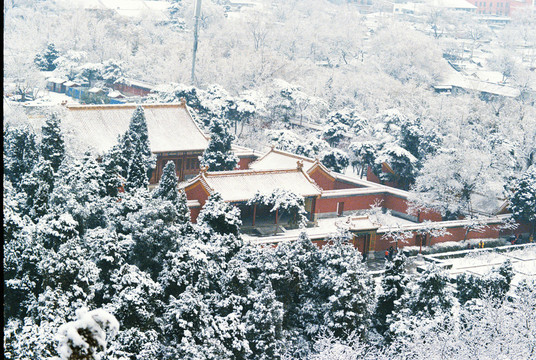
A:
(278, 159)
(242, 185)
(170, 126)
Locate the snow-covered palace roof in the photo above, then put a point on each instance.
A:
(170, 126)
(279, 159)
(242, 185)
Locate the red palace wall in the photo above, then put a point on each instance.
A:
(196, 192)
(430, 215)
(194, 213)
(395, 203)
(362, 202)
(338, 185)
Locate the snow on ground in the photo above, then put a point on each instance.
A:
(51, 98)
(479, 262)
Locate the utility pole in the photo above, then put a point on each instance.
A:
(197, 14)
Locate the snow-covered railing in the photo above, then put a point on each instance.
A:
(495, 220)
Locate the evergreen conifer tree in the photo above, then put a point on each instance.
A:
(219, 216)
(393, 285)
(168, 190)
(52, 144)
(132, 155)
(218, 156)
(343, 289)
(38, 186)
(20, 154)
(137, 173)
(523, 200)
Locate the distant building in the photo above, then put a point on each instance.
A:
(131, 87)
(503, 7)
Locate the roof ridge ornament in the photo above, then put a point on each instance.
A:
(299, 164)
(204, 169)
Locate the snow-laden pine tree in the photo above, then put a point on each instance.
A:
(425, 306)
(20, 154)
(493, 285)
(219, 216)
(38, 186)
(155, 230)
(523, 200)
(86, 337)
(168, 190)
(52, 143)
(218, 155)
(335, 160)
(136, 303)
(393, 286)
(80, 190)
(344, 290)
(132, 155)
(136, 174)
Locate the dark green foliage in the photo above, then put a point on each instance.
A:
(219, 216)
(154, 230)
(493, 285)
(336, 160)
(45, 60)
(431, 295)
(168, 190)
(20, 154)
(137, 174)
(218, 155)
(52, 144)
(523, 200)
(80, 190)
(38, 186)
(131, 158)
(394, 283)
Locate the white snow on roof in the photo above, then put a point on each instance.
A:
(457, 79)
(56, 80)
(242, 185)
(170, 126)
(277, 159)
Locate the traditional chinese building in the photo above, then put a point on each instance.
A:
(173, 134)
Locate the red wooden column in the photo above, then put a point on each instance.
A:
(276, 212)
(254, 213)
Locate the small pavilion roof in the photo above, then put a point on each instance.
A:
(170, 126)
(279, 159)
(242, 185)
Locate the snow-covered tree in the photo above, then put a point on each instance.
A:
(111, 71)
(132, 156)
(168, 190)
(86, 337)
(393, 284)
(493, 285)
(38, 186)
(20, 153)
(523, 200)
(283, 201)
(52, 143)
(46, 60)
(218, 155)
(345, 289)
(219, 216)
(335, 159)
